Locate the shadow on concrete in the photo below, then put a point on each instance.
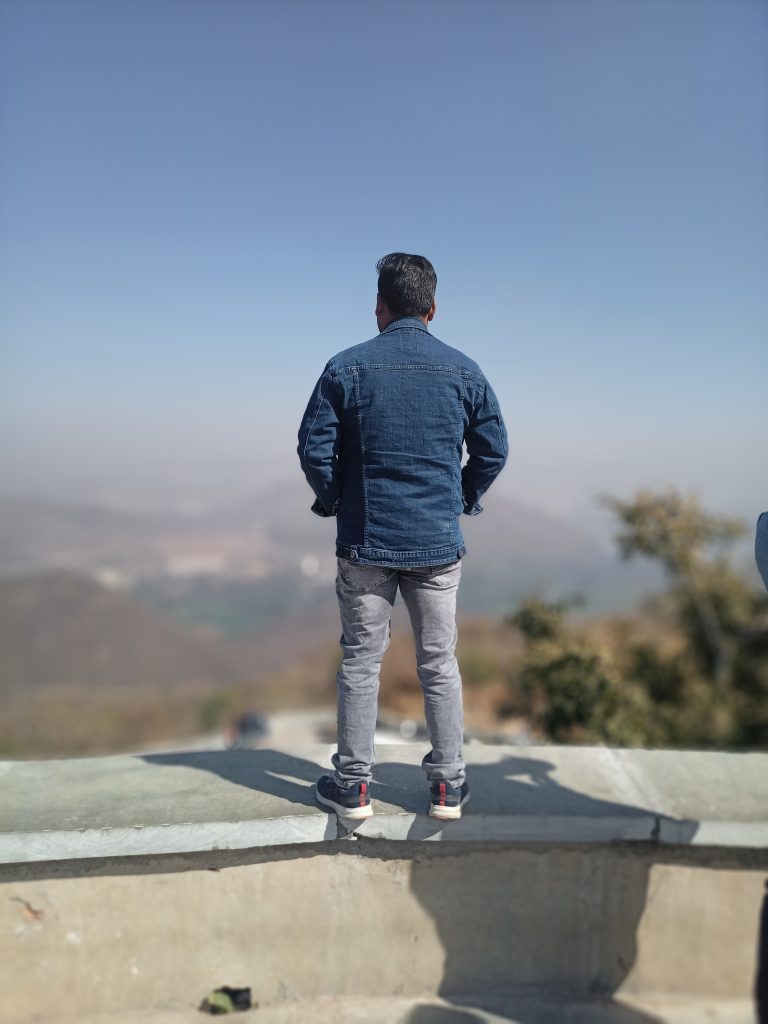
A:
(529, 1011)
(509, 920)
(440, 1015)
(271, 772)
(563, 919)
(559, 920)
(511, 787)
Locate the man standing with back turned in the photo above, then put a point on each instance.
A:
(381, 445)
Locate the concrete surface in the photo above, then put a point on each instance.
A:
(216, 800)
(467, 1010)
(574, 924)
(582, 885)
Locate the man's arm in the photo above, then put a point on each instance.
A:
(486, 441)
(320, 443)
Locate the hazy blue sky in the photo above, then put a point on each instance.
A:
(194, 194)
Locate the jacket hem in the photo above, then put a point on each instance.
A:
(400, 559)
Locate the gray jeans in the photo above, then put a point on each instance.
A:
(366, 595)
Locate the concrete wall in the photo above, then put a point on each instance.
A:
(347, 918)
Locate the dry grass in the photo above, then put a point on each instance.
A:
(56, 721)
(489, 655)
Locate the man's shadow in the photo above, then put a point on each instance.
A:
(530, 1011)
(522, 786)
(500, 914)
(272, 773)
(509, 919)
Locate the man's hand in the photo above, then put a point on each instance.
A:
(320, 443)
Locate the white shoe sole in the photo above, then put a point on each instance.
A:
(353, 813)
(447, 813)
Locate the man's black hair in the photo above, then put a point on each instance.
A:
(407, 283)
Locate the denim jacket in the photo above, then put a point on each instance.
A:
(381, 446)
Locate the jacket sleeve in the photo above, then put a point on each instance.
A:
(320, 444)
(486, 441)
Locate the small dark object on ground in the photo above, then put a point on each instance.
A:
(226, 1000)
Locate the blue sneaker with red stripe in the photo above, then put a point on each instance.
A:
(446, 800)
(347, 801)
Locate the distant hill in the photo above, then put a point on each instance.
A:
(513, 549)
(39, 535)
(249, 564)
(60, 630)
(57, 629)
(86, 670)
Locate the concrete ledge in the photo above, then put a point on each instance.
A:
(598, 927)
(186, 801)
(467, 1009)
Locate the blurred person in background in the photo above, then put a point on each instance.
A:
(247, 730)
(381, 445)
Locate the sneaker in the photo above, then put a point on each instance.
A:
(446, 800)
(352, 802)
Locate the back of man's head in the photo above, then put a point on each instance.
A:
(406, 284)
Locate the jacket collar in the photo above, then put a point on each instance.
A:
(405, 321)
